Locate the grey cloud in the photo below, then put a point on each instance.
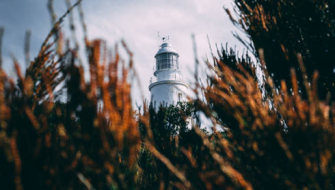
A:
(135, 21)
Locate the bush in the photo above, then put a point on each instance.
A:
(276, 133)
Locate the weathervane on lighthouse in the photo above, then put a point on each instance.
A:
(167, 86)
(166, 39)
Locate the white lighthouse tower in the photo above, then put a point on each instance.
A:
(167, 86)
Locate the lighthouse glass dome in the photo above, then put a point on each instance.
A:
(166, 58)
(167, 61)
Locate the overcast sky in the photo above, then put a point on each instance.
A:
(135, 21)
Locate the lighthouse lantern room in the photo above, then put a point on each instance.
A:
(167, 86)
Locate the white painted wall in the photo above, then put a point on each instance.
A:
(167, 92)
(169, 75)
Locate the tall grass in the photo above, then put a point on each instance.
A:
(48, 144)
(96, 140)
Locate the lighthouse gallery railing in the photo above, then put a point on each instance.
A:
(175, 77)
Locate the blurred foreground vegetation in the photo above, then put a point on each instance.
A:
(278, 126)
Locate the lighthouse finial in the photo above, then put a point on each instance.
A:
(165, 39)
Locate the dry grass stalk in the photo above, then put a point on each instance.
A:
(45, 138)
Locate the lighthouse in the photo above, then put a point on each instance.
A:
(167, 85)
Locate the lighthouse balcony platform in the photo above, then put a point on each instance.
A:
(171, 80)
(175, 77)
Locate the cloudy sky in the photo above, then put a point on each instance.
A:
(135, 21)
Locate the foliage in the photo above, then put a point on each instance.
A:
(168, 128)
(287, 27)
(259, 148)
(47, 144)
(284, 140)
(165, 159)
(97, 141)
